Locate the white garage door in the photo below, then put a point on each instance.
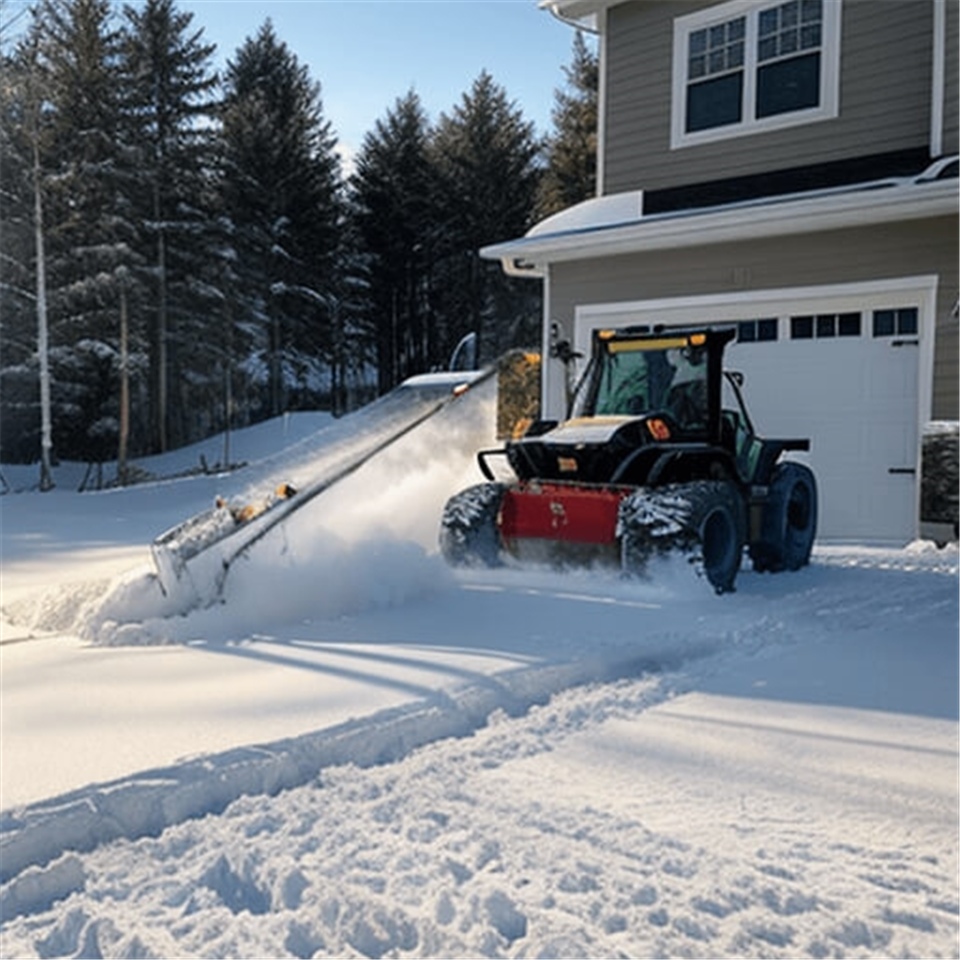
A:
(847, 367)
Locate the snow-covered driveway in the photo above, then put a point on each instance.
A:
(367, 755)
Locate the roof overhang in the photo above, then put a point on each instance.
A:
(614, 225)
(580, 14)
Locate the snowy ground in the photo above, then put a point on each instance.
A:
(360, 753)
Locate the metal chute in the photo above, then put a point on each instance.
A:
(194, 558)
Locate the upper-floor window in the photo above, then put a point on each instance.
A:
(746, 65)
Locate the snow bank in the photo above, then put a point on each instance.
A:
(618, 819)
(147, 803)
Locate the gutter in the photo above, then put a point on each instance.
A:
(869, 204)
(586, 21)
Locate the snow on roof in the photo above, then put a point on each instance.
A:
(615, 224)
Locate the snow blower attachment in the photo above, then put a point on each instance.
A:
(652, 461)
(193, 559)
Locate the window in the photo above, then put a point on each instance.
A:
(848, 324)
(789, 41)
(896, 323)
(715, 72)
(801, 328)
(824, 326)
(742, 67)
(757, 331)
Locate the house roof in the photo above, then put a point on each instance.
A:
(614, 224)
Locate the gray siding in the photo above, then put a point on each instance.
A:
(885, 85)
(951, 140)
(841, 256)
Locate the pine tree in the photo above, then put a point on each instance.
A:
(281, 193)
(571, 173)
(88, 232)
(170, 116)
(486, 156)
(393, 215)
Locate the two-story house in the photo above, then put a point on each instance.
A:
(789, 167)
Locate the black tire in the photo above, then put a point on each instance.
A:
(705, 518)
(789, 523)
(468, 529)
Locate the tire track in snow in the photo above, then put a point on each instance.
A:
(150, 801)
(430, 856)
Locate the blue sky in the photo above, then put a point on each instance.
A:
(367, 53)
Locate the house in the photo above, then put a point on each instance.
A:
(789, 167)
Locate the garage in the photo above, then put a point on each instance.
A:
(847, 365)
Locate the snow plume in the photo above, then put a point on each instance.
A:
(368, 541)
(278, 583)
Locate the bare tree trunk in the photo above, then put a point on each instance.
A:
(124, 387)
(43, 344)
(276, 368)
(227, 387)
(162, 381)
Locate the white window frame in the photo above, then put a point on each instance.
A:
(829, 73)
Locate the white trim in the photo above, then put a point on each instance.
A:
(749, 124)
(829, 210)
(938, 78)
(728, 307)
(580, 16)
(845, 293)
(545, 343)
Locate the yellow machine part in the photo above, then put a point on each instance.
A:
(518, 393)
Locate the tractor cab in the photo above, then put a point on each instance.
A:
(632, 374)
(643, 398)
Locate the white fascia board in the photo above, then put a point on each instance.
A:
(580, 14)
(529, 256)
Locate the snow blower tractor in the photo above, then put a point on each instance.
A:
(659, 455)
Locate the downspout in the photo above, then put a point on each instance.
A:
(938, 80)
(602, 104)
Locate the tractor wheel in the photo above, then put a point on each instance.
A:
(789, 521)
(468, 530)
(705, 518)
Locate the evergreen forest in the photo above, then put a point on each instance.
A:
(182, 252)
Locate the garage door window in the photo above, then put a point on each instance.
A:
(757, 331)
(895, 323)
(824, 326)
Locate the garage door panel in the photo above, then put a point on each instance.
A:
(856, 400)
(855, 397)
